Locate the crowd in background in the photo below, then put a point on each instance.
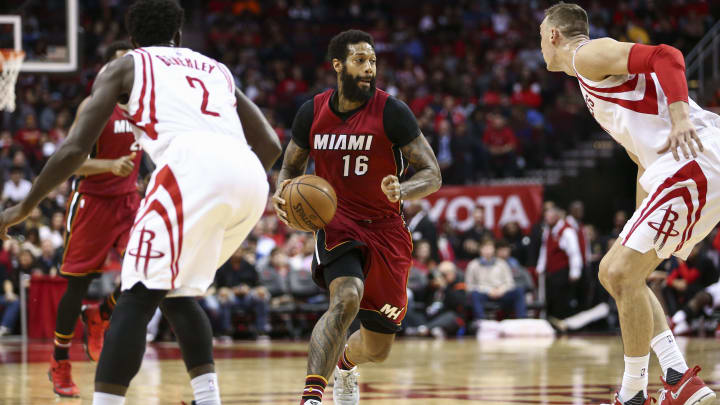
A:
(472, 73)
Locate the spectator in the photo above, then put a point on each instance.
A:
(422, 259)
(489, 278)
(17, 188)
(32, 242)
(420, 226)
(54, 232)
(237, 289)
(48, 261)
(447, 310)
(10, 290)
(470, 240)
(561, 260)
(688, 278)
(521, 277)
(502, 145)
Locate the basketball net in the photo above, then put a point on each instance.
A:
(10, 61)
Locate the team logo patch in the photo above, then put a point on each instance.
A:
(391, 311)
(666, 227)
(146, 238)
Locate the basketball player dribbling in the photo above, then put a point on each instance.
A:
(211, 146)
(362, 140)
(639, 95)
(99, 217)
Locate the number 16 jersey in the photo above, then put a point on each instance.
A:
(355, 150)
(179, 92)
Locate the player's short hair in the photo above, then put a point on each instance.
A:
(338, 47)
(153, 22)
(113, 48)
(570, 19)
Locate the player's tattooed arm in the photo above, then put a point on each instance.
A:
(294, 165)
(111, 86)
(425, 181)
(259, 133)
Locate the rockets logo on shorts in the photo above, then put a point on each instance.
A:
(669, 220)
(144, 250)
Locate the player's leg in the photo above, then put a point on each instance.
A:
(194, 334)
(366, 346)
(623, 272)
(67, 316)
(124, 344)
(345, 278)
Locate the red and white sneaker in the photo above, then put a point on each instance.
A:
(690, 390)
(61, 378)
(95, 328)
(648, 401)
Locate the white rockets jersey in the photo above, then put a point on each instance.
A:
(633, 109)
(180, 92)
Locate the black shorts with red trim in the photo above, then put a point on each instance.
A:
(386, 247)
(94, 226)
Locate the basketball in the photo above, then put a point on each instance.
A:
(310, 202)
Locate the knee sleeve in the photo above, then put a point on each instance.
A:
(192, 328)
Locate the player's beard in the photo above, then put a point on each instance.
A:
(351, 90)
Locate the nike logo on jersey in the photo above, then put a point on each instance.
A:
(342, 142)
(121, 126)
(186, 62)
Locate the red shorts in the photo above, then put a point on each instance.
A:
(94, 225)
(386, 246)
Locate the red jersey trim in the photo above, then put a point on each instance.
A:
(150, 127)
(648, 104)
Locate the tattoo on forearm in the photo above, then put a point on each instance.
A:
(294, 162)
(427, 178)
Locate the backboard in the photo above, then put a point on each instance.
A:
(47, 30)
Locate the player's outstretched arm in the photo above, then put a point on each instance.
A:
(427, 178)
(258, 131)
(111, 84)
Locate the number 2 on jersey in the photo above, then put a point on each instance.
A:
(206, 94)
(361, 166)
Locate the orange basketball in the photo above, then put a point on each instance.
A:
(310, 202)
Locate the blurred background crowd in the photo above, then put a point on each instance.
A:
(472, 73)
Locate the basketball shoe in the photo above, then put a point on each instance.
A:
(690, 390)
(95, 328)
(346, 390)
(61, 378)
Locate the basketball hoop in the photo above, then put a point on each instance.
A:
(10, 61)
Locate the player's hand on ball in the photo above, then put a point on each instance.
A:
(123, 166)
(10, 217)
(391, 187)
(279, 203)
(683, 136)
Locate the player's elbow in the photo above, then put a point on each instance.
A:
(437, 180)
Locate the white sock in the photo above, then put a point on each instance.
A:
(102, 398)
(635, 377)
(668, 353)
(205, 389)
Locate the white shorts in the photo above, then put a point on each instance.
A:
(203, 200)
(683, 202)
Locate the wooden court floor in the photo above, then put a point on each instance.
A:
(578, 370)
